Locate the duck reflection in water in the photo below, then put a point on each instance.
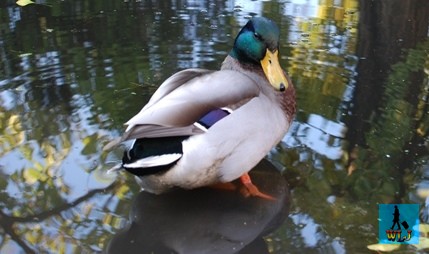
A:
(205, 220)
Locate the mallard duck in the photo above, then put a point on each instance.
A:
(203, 127)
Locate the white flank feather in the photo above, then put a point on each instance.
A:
(199, 126)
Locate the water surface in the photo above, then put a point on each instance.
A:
(72, 72)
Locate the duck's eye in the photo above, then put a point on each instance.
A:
(257, 36)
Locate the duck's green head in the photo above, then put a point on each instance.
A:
(258, 43)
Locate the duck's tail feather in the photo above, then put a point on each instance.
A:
(113, 143)
(115, 168)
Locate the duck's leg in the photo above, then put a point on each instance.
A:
(224, 186)
(251, 190)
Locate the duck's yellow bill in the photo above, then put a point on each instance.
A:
(273, 71)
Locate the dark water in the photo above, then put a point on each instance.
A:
(71, 72)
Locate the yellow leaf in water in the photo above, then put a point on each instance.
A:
(27, 152)
(24, 2)
(383, 247)
(117, 222)
(24, 55)
(423, 243)
(86, 209)
(38, 166)
(14, 123)
(121, 191)
(423, 192)
(31, 238)
(31, 175)
(351, 169)
(107, 219)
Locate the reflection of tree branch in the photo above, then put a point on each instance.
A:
(46, 214)
(108, 200)
(7, 226)
(6, 221)
(19, 241)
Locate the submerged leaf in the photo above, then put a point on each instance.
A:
(24, 2)
(424, 228)
(423, 243)
(383, 247)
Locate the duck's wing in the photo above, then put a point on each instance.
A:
(191, 100)
(174, 82)
(186, 97)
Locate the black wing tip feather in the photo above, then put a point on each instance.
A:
(147, 147)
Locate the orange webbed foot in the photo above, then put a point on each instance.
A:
(249, 189)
